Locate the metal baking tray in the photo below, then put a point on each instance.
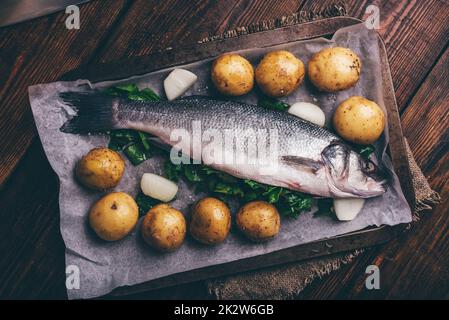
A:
(309, 30)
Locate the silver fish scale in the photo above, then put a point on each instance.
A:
(296, 137)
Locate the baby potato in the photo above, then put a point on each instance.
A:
(259, 220)
(359, 120)
(114, 216)
(100, 169)
(334, 69)
(232, 75)
(211, 221)
(164, 228)
(279, 73)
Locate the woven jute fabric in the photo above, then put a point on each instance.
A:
(286, 281)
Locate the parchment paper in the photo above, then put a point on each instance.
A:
(104, 266)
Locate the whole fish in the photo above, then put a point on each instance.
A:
(301, 156)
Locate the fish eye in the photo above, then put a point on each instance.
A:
(370, 167)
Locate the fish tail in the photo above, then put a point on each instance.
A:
(94, 112)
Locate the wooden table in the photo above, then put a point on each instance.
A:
(416, 33)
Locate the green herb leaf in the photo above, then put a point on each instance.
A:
(274, 104)
(250, 196)
(209, 170)
(145, 203)
(136, 153)
(365, 151)
(223, 188)
(293, 203)
(325, 206)
(192, 173)
(122, 90)
(149, 95)
(120, 139)
(172, 171)
(253, 185)
(272, 194)
(143, 139)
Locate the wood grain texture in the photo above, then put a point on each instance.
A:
(163, 24)
(415, 32)
(426, 120)
(32, 249)
(40, 51)
(174, 23)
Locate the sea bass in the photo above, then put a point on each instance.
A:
(301, 156)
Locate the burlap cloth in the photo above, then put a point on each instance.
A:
(286, 281)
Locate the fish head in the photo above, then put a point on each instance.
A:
(350, 175)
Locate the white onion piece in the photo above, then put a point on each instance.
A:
(158, 187)
(308, 111)
(178, 82)
(347, 209)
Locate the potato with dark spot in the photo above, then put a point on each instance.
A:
(164, 228)
(232, 75)
(359, 120)
(114, 216)
(279, 73)
(334, 69)
(211, 221)
(100, 169)
(259, 220)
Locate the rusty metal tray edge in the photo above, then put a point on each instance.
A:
(167, 58)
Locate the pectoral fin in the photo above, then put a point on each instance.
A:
(306, 163)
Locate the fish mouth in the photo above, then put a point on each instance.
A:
(339, 187)
(349, 175)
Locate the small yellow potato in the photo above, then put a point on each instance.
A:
(259, 220)
(334, 69)
(114, 216)
(232, 75)
(279, 73)
(100, 169)
(359, 120)
(164, 228)
(211, 221)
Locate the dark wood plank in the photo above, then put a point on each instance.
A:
(248, 12)
(415, 35)
(40, 51)
(32, 249)
(163, 24)
(426, 119)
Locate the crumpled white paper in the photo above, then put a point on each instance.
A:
(104, 266)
